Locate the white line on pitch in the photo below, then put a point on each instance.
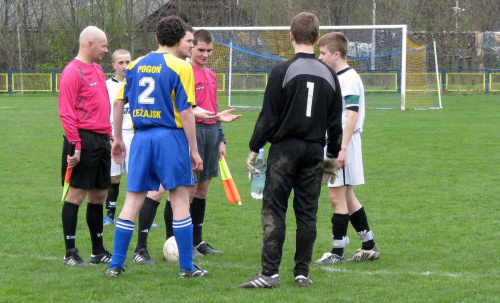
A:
(40, 257)
(325, 268)
(385, 272)
(377, 272)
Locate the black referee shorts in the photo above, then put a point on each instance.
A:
(93, 170)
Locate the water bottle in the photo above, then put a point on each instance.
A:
(258, 182)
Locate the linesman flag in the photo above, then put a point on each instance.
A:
(67, 176)
(232, 194)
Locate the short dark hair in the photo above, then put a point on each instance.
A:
(119, 52)
(335, 42)
(189, 28)
(305, 28)
(170, 30)
(202, 35)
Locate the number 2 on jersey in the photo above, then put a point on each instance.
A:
(310, 93)
(144, 97)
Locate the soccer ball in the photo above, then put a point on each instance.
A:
(170, 250)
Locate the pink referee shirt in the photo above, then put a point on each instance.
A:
(205, 85)
(83, 100)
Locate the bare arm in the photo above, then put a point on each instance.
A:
(352, 117)
(203, 114)
(222, 150)
(187, 118)
(118, 151)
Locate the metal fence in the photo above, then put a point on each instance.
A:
(453, 81)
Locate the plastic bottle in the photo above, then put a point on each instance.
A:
(258, 182)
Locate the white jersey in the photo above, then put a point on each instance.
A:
(352, 173)
(113, 85)
(351, 85)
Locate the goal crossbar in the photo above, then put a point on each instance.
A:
(234, 63)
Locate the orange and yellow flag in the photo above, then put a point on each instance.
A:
(232, 194)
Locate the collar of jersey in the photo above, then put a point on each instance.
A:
(344, 70)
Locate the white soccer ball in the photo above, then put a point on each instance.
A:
(170, 250)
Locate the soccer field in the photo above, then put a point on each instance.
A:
(431, 195)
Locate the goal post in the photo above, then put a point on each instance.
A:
(244, 57)
(423, 81)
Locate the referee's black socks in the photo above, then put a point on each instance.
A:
(147, 216)
(69, 220)
(94, 221)
(197, 211)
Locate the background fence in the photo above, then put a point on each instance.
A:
(453, 81)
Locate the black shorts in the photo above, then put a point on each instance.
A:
(92, 172)
(208, 140)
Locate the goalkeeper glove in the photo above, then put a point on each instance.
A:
(251, 162)
(329, 170)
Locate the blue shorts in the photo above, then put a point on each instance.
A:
(159, 155)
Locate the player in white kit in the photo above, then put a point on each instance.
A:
(120, 59)
(333, 51)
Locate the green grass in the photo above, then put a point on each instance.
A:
(431, 195)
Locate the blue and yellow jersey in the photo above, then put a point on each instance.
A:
(158, 87)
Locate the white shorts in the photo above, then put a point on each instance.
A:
(352, 173)
(119, 169)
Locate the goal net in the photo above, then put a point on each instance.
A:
(244, 56)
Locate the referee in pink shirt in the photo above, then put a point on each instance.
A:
(84, 110)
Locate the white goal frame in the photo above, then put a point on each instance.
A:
(402, 27)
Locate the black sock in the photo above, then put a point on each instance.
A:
(340, 222)
(94, 221)
(168, 216)
(360, 223)
(113, 192)
(69, 222)
(197, 211)
(146, 217)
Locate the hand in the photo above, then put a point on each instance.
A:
(73, 160)
(196, 162)
(341, 159)
(226, 116)
(251, 162)
(118, 151)
(329, 170)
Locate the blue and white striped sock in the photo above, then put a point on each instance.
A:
(123, 234)
(183, 232)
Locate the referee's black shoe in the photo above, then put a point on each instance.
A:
(207, 249)
(72, 258)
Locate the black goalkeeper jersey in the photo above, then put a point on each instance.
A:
(303, 101)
